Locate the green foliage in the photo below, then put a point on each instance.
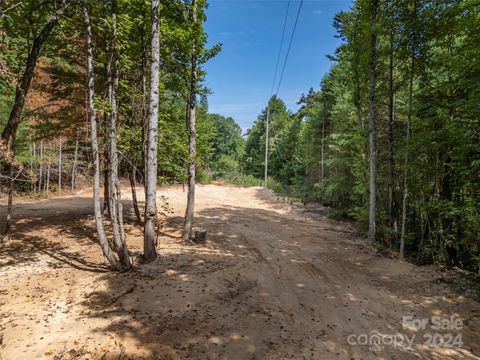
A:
(225, 166)
(252, 161)
(227, 138)
(203, 177)
(245, 180)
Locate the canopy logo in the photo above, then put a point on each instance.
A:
(436, 331)
(377, 341)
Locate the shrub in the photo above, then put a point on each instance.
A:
(203, 177)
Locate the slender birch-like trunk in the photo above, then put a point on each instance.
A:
(107, 191)
(106, 182)
(32, 165)
(192, 150)
(32, 153)
(405, 173)
(107, 251)
(40, 170)
(391, 161)
(74, 166)
(371, 127)
(149, 251)
(116, 215)
(47, 184)
(8, 220)
(144, 111)
(133, 184)
(60, 167)
(323, 140)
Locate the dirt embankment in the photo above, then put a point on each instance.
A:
(273, 282)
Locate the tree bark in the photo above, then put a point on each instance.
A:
(106, 182)
(144, 110)
(40, 176)
(131, 176)
(33, 170)
(391, 119)
(149, 238)
(267, 143)
(107, 252)
(324, 111)
(371, 127)
(192, 151)
(405, 173)
(47, 184)
(60, 168)
(74, 166)
(8, 220)
(407, 143)
(115, 210)
(32, 153)
(107, 191)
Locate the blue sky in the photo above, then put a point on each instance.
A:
(241, 75)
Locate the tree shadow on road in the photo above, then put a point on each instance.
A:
(60, 235)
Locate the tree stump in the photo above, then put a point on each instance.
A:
(200, 236)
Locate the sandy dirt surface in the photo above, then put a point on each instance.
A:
(274, 281)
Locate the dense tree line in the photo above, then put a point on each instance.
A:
(403, 88)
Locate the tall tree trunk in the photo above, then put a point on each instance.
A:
(116, 215)
(74, 166)
(8, 220)
(32, 154)
(391, 119)
(102, 238)
(32, 166)
(106, 182)
(107, 191)
(324, 111)
(144, 109)
(371, 127)
(150, 232)
(11, 191)
(131, 176)
(60, 167)
(40, 170)
(192, 150)
(407, 143)
(47, 183)
(267, 143)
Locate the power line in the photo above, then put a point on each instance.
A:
(271, 92)
(289, 47)
(281, 47)
(280, 80)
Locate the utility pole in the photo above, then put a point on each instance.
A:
(266, 145)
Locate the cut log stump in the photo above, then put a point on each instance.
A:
(200, 236)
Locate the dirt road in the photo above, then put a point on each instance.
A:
(273, 282)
